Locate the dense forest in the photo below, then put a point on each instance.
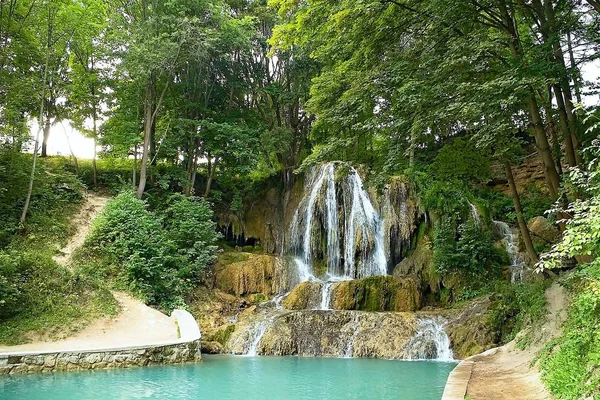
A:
(485, 111)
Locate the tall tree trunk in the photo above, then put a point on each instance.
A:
(575, 70)
(212, 166)
(36, 143)
(189, 168)
(148, 117)
(519, 210)
(47, 126)
(564, 126)
(134, 170)
(551, 128)
(94, 166)
(564, 80)
(541, 140)
(150, 112)
(543, 147)
(75, 162)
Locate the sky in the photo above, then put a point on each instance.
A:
(62, 133)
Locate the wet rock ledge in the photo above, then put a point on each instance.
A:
(185, 349)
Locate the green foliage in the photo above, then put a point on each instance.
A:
(460, 160)
(158, 257)
(56, 190)
(40, 297)
(570, 363)
(37, 296)
(570, 366)
(469, 250)
(516, 306)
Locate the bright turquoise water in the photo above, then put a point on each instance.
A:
(242, 378)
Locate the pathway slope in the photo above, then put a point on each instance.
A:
(136, 323)
(505, 372)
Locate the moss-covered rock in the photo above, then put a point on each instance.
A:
(470, 330)
(211, 347)
(221, 335)
(306, 295)
(333, 334)
(250, 276)
(377, 293)
(543, 231)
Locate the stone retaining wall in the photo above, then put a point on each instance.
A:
(185, 349)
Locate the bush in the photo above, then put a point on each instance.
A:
(516, 306)
(473, 254)
(159, 258)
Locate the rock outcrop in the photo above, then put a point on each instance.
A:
(469, 330)
(332, 334)
(250, 276)
(543, 231)
(376, 293)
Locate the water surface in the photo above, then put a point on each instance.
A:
(242, 378)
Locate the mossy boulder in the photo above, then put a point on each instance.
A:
(543, 231)
(251, 275)
(470, 330)
(306, 295)
(377, 293)
(221, 335)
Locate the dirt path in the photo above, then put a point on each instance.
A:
(506, 372)
(136, 323)
(83, 220)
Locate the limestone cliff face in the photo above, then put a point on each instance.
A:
(250, 276)
(265, 214)
(334, 334)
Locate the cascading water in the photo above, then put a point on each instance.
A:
(516, 260)
(429, 342)
(475, 213)
(337, 234)
(322, 214)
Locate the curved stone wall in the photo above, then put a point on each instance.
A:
(185, 349)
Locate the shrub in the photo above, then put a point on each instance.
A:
(159, 258)
(472, 254)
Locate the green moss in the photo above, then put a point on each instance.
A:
(232, 257)
(222, 335)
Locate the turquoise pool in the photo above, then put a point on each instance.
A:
(242, 378)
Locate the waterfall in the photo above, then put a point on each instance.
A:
(256, 333)
(336, 217)
(337, 234)
(512, 247)
(326, 295)
(475, 214)
(349, 351)
(429, 342)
